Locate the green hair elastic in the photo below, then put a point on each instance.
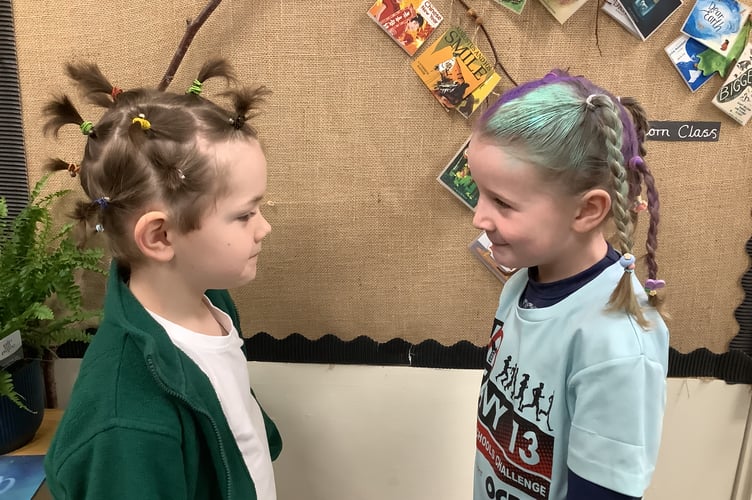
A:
(195, 88)
(86, 127)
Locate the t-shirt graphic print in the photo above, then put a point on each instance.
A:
(514, 433)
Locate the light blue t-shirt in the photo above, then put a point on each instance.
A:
(570, 386)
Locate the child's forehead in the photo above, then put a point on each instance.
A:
(230, 144)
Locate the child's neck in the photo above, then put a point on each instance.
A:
(169, 296)
(579, 256)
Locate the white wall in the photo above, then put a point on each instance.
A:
(381, 433)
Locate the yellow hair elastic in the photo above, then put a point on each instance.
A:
(141, 120)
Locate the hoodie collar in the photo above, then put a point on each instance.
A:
(123, 309)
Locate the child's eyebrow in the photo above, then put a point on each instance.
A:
(254, 201)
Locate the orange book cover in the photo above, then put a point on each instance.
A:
(409, 23)
(454, 69)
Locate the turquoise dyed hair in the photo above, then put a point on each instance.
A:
(552, 128)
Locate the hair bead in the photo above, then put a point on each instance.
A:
(652, 286)
(627, 261)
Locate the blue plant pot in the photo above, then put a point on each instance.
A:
(18, 426)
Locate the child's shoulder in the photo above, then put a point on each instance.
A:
(611, 337)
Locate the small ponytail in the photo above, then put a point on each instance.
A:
(213, 68)
(245, 103)
(63, 112)
(95, 87)
(56, 165)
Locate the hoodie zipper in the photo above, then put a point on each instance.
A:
(155, 374)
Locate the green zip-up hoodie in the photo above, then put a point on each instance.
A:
(144, 421)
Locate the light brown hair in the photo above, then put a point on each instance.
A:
(147, 147)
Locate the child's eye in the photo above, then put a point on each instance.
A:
(246, 217)
(502, 204)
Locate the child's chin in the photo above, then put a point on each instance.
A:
(247, 278)
(240, 280)
(501, 255)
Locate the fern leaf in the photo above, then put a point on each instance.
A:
(8, 390)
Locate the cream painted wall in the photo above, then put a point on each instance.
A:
(378, 433)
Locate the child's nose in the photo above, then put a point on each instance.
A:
(264, 229)
(480, 220)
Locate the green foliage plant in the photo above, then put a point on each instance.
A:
(38, 265)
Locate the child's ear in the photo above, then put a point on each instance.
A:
(150, 234)
(594, 207)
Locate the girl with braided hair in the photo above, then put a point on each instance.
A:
(555, 160)
(162, 407)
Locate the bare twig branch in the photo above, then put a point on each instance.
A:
(597, 38)
(190, 32)
(479, 22)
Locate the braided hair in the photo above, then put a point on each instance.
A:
(583, 137)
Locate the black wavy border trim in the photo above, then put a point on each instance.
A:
(364, 351)
(743, 313)
(734, 366)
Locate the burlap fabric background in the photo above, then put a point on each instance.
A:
(365, 241)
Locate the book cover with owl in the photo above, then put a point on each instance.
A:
(408, 23)
(456, 72)
(716, 23)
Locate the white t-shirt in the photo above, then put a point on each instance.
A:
(223, 362)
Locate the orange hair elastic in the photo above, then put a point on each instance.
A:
(73, 169)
